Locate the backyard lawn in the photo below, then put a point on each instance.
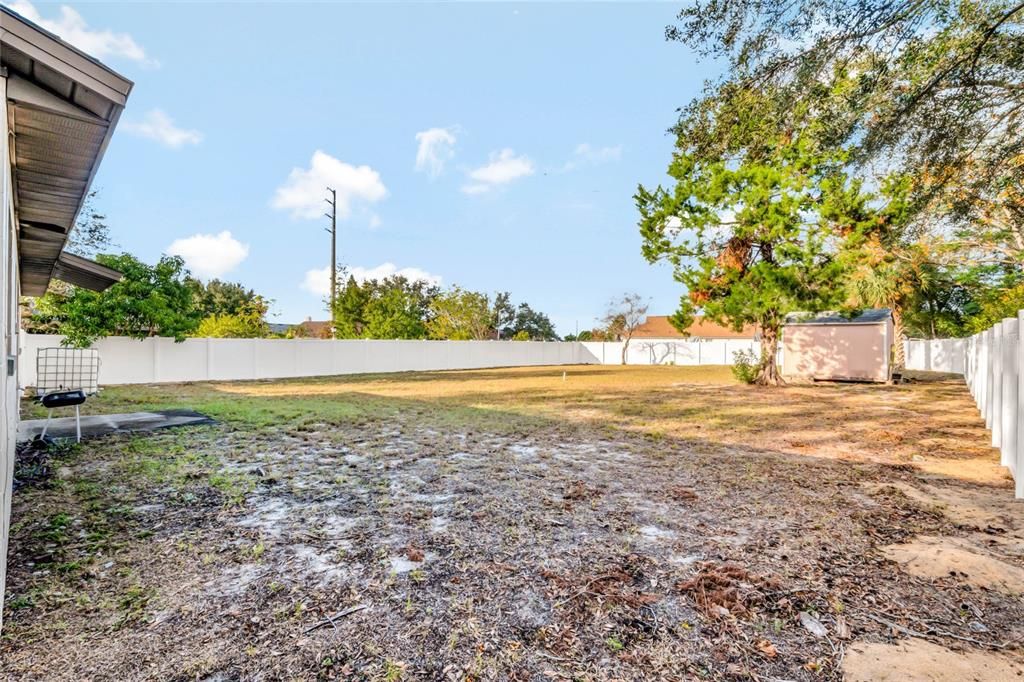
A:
(576, 523)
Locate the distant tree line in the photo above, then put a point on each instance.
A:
(165, 300)
(396, 307)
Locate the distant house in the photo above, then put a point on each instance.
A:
(313, 329)
(659, 327)
(279, 327)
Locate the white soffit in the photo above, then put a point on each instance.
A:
(62, 108)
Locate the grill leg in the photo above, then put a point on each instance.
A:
(49, 416)
(78, 426)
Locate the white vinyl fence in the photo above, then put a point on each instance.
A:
(991, 363)
(670, 351)
(159, 360)
(936, 355)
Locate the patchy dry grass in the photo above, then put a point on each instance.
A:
(564, 523)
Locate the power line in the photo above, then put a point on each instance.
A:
(333, 215)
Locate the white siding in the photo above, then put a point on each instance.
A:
(9, 334)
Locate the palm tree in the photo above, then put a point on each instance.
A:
(889, 273)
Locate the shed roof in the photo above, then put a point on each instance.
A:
(62, 107)
(868, 316)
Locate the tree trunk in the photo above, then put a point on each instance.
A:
(625, 347)
(899, 358)
(769, 375)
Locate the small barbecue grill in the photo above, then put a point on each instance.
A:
(65, 377)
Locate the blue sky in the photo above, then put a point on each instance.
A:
(494, 146)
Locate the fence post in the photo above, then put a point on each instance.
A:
(997, 384)
(982, 370)
(987, 397)
(969, 363)
(1008, 402)
(975, 376)
(1016, 459)
(155, 341)
(968, 367)
(209, 358)
(972, 349)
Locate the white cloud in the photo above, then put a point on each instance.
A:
(318, 281)
(71, 27)
(158, 126)
(390, 269)
(475, 188)
(598, 154)
(503, 167)
(210, 255)
(375, 221)
(435, 149)
(304, 191)
(585, 154)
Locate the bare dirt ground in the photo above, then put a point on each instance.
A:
(614, 524)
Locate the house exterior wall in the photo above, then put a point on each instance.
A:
(8, 335)
(837, 351)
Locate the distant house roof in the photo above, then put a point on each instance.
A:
(315, 329)
(659, 327)
(278, 327)
(869, 316)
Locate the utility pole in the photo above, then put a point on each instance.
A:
(333, 215)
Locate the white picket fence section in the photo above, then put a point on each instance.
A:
(160, 360)
(991, 362)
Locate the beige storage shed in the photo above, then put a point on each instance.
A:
(835, 347)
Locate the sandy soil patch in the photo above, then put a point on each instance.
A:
(917, 660)
(971, 507)
(954, 558)
(986, 471)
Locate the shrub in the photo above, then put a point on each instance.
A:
(745, 366)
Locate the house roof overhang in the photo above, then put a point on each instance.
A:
(85, 273)
(62, 107)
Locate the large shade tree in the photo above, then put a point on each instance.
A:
(938, 92)
(748, 225)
